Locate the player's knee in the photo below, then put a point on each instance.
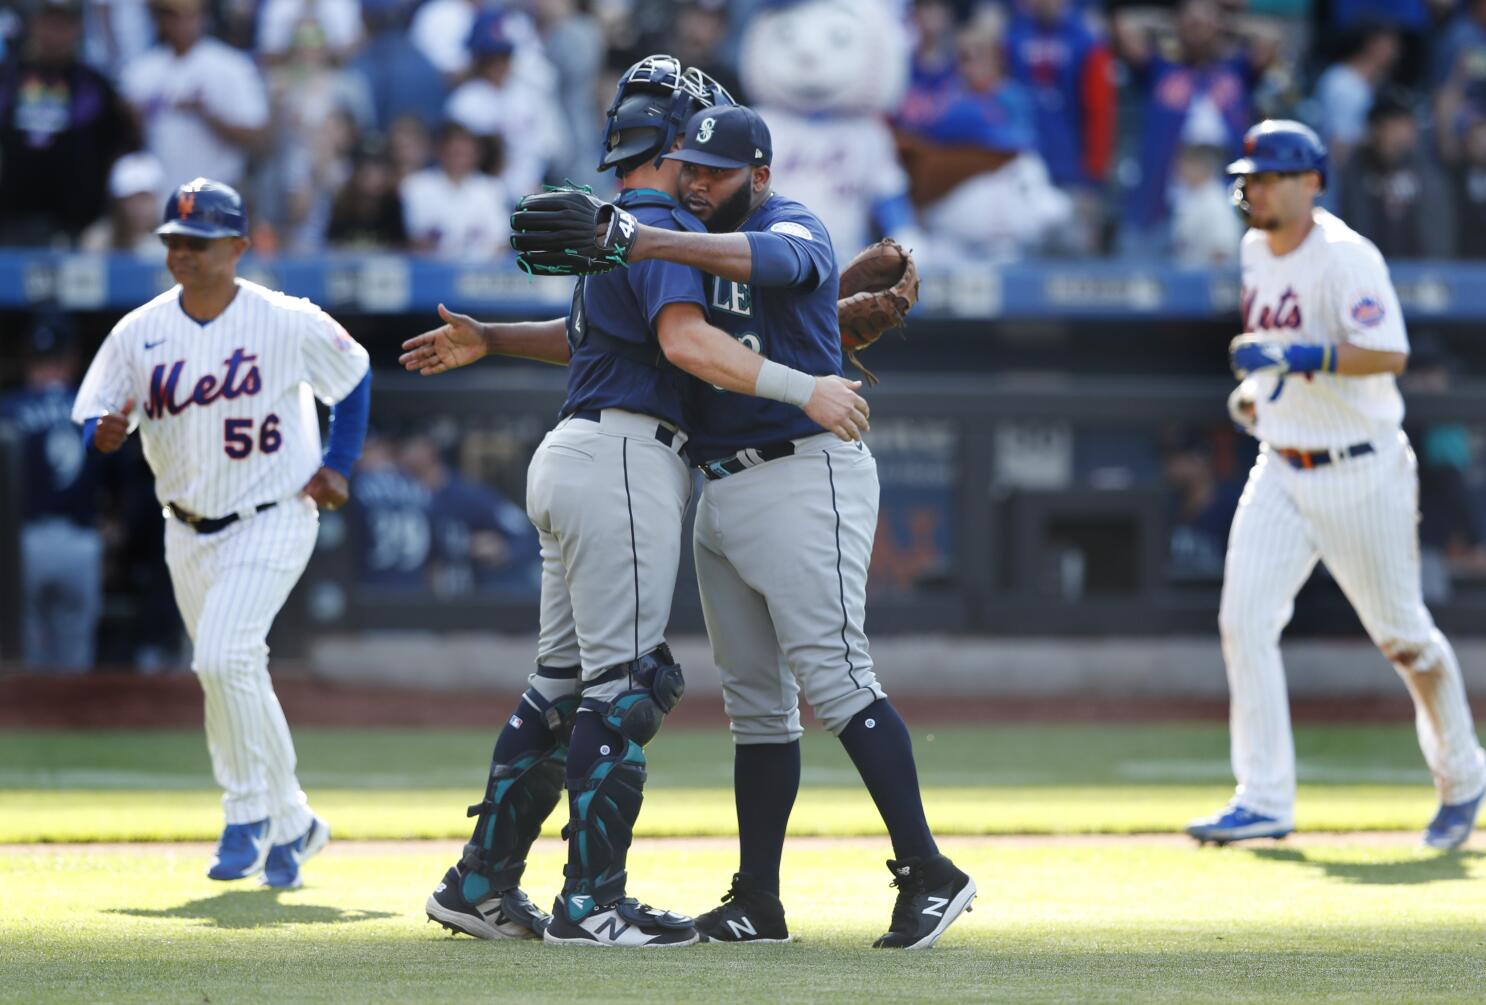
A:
(635, 697)
(220, 656)
(769, 728)
(837, 713)
(1423, 654)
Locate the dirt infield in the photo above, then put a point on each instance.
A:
(126, 701)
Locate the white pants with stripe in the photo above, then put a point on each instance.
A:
(782, 551)
(229, 586)
(1359, 516)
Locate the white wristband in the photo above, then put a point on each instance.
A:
(782, 383)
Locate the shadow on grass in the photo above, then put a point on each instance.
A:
(255, 909)
(1417, 871)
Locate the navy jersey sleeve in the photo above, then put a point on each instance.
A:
(657, 283)
(807, 238)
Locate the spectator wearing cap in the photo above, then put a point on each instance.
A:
(1390, 191)
(1209, 73)
(61, 549)
(62, 125)
(455, 210)
(367, 213)
(1346, 90)
(136, 189)
(1204, 229)
(495, 103)
(202, 102)
(399, 77)
(339, 22)
(1469, 178)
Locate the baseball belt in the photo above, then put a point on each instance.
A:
(748, 457)
(665, 433)
(210, 525)
(1306, 460)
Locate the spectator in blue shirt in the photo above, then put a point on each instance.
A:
(401, 79)
(1207, 74)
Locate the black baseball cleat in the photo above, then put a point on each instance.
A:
(624, 924)
(747, 914)
(931, 895)
(505, 914)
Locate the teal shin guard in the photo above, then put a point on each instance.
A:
(604, 809)
(519, 796)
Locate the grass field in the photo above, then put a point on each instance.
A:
(1126, 912)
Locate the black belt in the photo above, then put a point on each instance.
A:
(748, 457)
(664, 433)
(1305, 460)
(204, 525)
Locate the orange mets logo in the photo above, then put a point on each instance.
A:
(186, 202)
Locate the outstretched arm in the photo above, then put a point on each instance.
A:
(727, 255)
(462, 340)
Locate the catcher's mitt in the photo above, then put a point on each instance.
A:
(878, 288)
(557, 232)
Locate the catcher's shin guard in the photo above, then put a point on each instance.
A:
(632, 700)
(519, 796)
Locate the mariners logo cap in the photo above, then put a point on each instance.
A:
(726, 136)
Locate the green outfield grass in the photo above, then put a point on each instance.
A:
(112, 786)
(1126, 921)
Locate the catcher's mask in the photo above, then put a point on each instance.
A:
(652, 103)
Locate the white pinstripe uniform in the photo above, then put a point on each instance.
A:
(1358, 514)
(227, 417)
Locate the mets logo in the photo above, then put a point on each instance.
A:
(186, 202)
(1368, 312)
(1250, 144)
(704, 131)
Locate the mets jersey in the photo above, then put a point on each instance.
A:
(225, 409)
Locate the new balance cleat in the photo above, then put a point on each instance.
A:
(281, 871)
(626, 923)
(241, 851)
(932, 893)
(747, 914)
(504, 914)
(1452, 825)
(1237, 823)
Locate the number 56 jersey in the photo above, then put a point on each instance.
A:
(225, 409)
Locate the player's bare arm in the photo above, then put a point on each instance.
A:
(727, 255)
(462, 340)
(712, 355)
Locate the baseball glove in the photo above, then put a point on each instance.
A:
(568, 231)
(878, 289)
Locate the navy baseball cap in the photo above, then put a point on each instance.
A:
(726, 136)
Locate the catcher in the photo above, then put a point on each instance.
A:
(784, 527)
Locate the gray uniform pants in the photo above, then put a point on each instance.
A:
(62, 569)
(607, 499)
(782, 551)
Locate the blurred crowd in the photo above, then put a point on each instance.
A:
(992, 129)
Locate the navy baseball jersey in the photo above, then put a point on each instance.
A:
(616, 360)
(795, 326)
(61, 477)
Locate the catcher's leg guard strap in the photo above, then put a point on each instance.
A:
(519, 796)
(604, 807)
(635, 697)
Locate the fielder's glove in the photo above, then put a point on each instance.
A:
(568, 231)
(878, 289)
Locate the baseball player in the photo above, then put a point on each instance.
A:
(220, 375)
(1335, 480)
(607, 490)
(783, 534)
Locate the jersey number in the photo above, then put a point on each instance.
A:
(237, 436)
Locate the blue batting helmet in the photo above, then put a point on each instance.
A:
(205, 208)
(1281, 145)
(652, 103)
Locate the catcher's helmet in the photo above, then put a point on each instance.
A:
(205, 208)
(654, 99)
(1281, 145)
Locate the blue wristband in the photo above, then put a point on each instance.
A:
(1310, 358)
(348, 419)
(90, 429)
